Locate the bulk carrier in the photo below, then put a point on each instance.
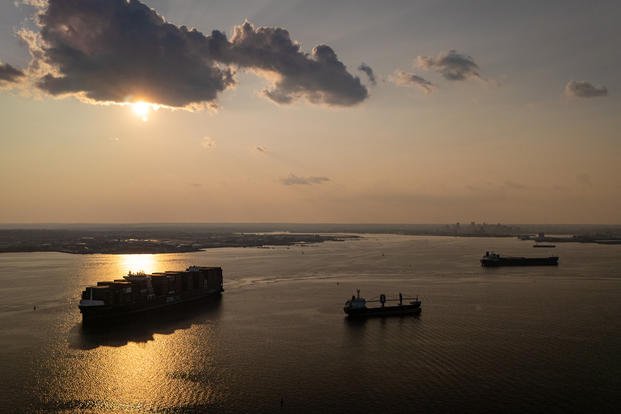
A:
(357, 306)
(492, 259)
(137, 293)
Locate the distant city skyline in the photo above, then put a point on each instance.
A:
(320, 112)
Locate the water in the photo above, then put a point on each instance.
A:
(540, 339)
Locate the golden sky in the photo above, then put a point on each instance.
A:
(493, 112)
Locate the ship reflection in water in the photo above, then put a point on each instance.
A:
(150, 362)
(143, 328)
(163, 361)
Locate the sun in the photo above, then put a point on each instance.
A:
(143, 109)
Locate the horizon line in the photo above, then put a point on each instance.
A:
(138, 223)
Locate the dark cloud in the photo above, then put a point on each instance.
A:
(451, 65)
(319, 76)
(293, 179)
(121, 50)
(584, 89)
(409, 79)
(9, 73)
(369, 72)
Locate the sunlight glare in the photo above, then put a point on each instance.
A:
(143, 109)
(138, 263)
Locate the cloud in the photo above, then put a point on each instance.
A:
(369, 72)
(293, 179)
(504, 188)
(410, 79)
(208, 143)
(121, 51)
(584, 89)
(514, 186)
(10, 74)
(584, 179)
(319, 76)
(451, 65)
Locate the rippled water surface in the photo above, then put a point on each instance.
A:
(540, 339)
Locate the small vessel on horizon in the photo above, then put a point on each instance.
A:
(542, 245)
(491, 259)
(357, 306)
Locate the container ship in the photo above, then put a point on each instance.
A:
(357, 307)
(137, 293)
(491, 259)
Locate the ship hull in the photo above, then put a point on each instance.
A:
(519, 261)
(141, 294)
(109, 313)
(384, 311)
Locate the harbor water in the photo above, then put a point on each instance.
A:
(519, 339)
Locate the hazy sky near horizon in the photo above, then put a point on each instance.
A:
(520, 123)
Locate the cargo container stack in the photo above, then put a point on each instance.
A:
(141, 292)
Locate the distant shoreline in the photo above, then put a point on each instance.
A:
(187, 240)
(144, 242)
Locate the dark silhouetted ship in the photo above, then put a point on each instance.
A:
(491, 259)
(357, 306)
(137, 293)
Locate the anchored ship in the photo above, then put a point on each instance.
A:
(357, 306)
(492, 259)
(139, 292)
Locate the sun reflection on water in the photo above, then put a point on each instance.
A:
(151, 364)
(146, 376)
(146, 263)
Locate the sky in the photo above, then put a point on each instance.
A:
(350, 111)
